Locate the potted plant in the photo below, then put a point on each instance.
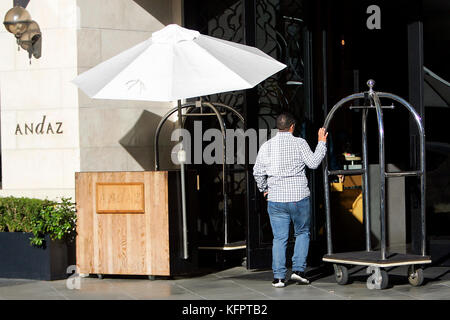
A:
(36, 238)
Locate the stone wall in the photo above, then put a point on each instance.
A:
(116, 135)
(49, 128)
(40, 161)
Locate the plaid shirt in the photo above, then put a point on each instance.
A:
(280, 167)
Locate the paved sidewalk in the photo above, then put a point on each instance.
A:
(235, 283)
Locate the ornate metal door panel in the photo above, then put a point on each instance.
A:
(276, 27)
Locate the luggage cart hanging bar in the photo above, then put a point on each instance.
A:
(381, 158)
(365, 179)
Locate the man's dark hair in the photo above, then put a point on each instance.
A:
(284, 121)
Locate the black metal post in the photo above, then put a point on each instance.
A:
(310, 116)
(251, 121)
(324, 73)
(416, 76)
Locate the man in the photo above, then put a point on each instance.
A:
(279, 172)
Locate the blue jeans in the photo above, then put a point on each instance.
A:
(281, 214)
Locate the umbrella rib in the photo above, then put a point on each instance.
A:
(220, 62)
(123, 69)
(263, 55)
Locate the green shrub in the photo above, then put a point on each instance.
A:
(39, 217)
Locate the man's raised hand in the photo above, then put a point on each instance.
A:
(322, 135)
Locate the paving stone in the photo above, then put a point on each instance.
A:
(235, 283)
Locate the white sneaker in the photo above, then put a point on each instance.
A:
(300, 277)
(278, 283)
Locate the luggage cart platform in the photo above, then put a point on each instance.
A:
(372, 258)
(228, 246)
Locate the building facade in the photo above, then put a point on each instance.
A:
(50, 129)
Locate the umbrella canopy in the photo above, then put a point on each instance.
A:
(178, 63)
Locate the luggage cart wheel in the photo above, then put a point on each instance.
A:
(415, 276)
(341, 274)
(379, 278)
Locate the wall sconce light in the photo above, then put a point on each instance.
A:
(27, 32)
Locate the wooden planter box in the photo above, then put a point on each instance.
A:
(20, 260)
(129, 223)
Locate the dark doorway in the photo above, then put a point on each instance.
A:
(331, 50)
(411, 35)
(278, 28)
(436, 33)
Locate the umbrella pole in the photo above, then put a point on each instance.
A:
(182, 160)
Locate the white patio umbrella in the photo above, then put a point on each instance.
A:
(174, 64)
(178, 63)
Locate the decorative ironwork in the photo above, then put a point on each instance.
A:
(279, 27)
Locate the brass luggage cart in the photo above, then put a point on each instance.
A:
(379, 259)
(220, 111)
